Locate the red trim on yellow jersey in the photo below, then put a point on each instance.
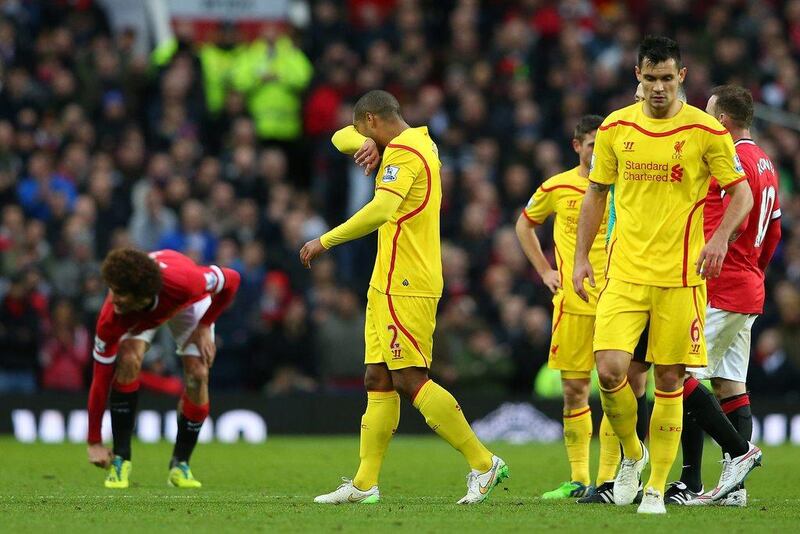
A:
(686, 241)
(391, 191)
(407, 215)
(564, 186)
(662, 134)
(743, 178)
(534, 221)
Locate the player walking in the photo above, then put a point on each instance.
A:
(660, 155)
(573, 319)
(735, 299)
(146, 291)
(402, 298)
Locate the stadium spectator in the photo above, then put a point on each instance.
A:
(21, 321)
(65, 350)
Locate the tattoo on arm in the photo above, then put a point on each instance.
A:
(600, 188)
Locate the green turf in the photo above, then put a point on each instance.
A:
(270, 487)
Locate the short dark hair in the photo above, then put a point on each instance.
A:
(377, 102)
(586, 125)
(656, 49)
(132, 272)
(736, 102)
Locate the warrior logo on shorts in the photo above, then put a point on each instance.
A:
(394, 346)
(694, 333)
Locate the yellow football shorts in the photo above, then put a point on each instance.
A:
(677, 318)
(399, 330)
(571, 344)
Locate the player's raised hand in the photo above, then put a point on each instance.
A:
(368, 156)
(583, 270)
(311, 250)
(709, 264)
(552, 280)
(99, 455)
(204, 341)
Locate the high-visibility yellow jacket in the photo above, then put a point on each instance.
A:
(274, 104)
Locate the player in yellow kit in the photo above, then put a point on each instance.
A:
(403, 295)
(573, 319)
(660, 155)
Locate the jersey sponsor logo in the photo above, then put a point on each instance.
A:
(676, 174)
(737, 164)
(390, 173)
(645, 171)
(678, 147)
(628, 146)
(572, 204)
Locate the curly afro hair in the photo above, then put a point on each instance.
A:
(132, 272)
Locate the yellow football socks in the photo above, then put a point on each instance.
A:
(609, 452)
(665, 436)
(619, 405)
(378, 425)
(443, 415)
(577, 436)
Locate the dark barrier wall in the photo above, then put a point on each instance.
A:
(54, 417)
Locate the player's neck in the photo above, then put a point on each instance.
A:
(667, 113)
(583, 170)
(393, 130)
(739, 133)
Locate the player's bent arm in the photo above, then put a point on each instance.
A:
(348, 140)
(739, 207)
(366, 220)
(528, 240)
(771, 240)
(222, 298)
(593, 208)
(103, 373)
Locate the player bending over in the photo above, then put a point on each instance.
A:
(660, 155)
(402, 298)
(573, 319)
(146, 291)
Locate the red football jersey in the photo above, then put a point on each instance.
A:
(740, 286)
(184, 283)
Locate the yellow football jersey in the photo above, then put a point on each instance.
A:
(661, 170)
(563, 194)
(409, 260)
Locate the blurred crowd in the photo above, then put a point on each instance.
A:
(220, 149)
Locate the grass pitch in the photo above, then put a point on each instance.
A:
(270, 487)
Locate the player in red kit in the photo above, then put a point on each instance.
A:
(735, 298)
(145, 292)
